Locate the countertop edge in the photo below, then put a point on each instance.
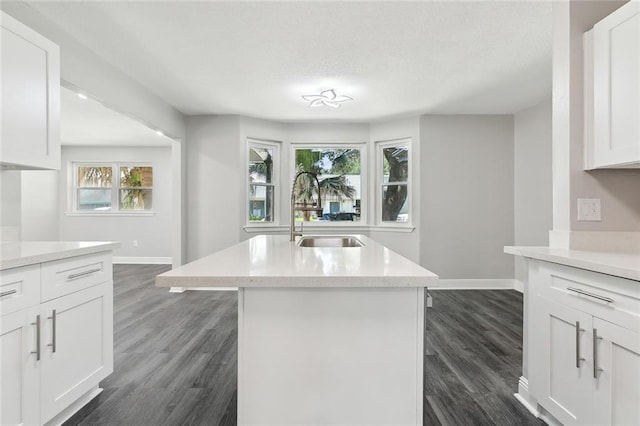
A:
(56, 255)
(297, 281)
(581, 260)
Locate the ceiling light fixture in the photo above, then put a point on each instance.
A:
(327, 98)
(159, 133)
(82, 96)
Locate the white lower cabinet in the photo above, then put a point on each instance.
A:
(54, 354)
(19, 368)
(617, 389)
(585, 368)
(75, 356)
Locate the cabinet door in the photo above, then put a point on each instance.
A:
(616, 93)
(617, 387)
(19, 368)
(78, 346)
(30, 97)
(564, 362)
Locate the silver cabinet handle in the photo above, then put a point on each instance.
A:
(37, 351)
(578, 357)
(586, 293)
(6, 293)
(53, 328)
(82, 274)
(596, 370)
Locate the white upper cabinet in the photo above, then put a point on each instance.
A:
(612, 90)
(30, 69)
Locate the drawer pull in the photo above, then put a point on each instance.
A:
(596, 369)
(578, 357)
(586, 293)
(6, 293)
(37, 351)
(53, 329)
(82, 274)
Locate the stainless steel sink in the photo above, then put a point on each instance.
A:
(329, 241)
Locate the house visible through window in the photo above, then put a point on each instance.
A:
(113, 187)
(262, 177)
(339, 173)
(393, 179)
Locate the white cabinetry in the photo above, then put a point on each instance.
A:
(585, 336)
(30, 69)
(612, 90)
(55, 352)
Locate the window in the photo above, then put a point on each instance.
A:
(393, 181)
(113, 187)
(339, 171)
(262, 170)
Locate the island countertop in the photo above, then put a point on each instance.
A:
(274, 261)
(22, 253)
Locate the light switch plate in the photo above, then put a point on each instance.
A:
(589, 210)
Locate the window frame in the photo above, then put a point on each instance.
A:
(364, 178)
(275, 181)
(379, 181)
(114, 189)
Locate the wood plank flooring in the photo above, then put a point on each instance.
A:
(176, 357)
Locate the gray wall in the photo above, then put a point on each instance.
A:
(618, 189)
(533, 212)
(153, 233)
(29, 201)
(467, 195)
(215, 187)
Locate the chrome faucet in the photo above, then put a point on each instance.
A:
(318, 206)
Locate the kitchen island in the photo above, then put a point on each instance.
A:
(326, 335)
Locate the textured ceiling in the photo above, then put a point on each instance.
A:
(258, 58)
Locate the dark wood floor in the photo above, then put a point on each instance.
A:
(175, 357)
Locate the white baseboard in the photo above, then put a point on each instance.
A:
(518, 286)
(476, 284)
(128, 260)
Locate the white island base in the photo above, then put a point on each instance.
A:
(348, 356)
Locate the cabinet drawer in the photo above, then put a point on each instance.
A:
(70, 275)
(19, 288)
(613, 299)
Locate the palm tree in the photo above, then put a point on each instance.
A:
(335, 186)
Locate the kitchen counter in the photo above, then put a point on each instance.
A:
(274, 261)
(23, 253)
(326, 335)
(619, 265)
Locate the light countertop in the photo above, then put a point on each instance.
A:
(274, 261)
(619, 265)
(23, 253)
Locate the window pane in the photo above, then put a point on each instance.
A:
(95, 176)
(132, 177)
(261, 203)
(338, 171)
(394, 203)
(260, 165)
(395, 164)
(136, 199)
(94, 199)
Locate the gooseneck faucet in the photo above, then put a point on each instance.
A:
(318, 206)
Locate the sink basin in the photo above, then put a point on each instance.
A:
(329, 241)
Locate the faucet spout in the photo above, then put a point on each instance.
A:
(318, 205)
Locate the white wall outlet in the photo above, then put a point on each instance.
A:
(589, 209)
(135, 243)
